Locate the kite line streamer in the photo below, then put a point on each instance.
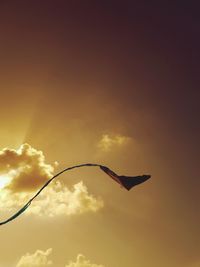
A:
(126, 182)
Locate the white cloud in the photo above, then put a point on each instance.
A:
(81, 261)
(108, 142)
(29, 171)
(41, 258)
(38, 259)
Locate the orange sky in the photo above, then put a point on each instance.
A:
(71, 74)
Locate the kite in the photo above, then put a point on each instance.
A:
(126, 182)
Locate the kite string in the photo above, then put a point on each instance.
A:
(19, 212)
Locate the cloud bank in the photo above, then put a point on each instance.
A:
(27, 170)
(41, 258)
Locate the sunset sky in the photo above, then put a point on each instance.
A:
(110, 83)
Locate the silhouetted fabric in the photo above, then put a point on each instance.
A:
(126, 182)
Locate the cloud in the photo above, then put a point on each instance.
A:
(66, 202)
(28, 166)
(54, 200)
(81, 261)
(108, 142)
(41, 258)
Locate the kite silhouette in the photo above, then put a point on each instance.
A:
(126, 182)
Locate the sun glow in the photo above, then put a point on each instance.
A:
(5, 179)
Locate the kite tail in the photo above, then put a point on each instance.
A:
(25, 207)
(126, 182)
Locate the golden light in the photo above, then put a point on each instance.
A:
(5, 179)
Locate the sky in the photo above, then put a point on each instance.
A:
(110, 83)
